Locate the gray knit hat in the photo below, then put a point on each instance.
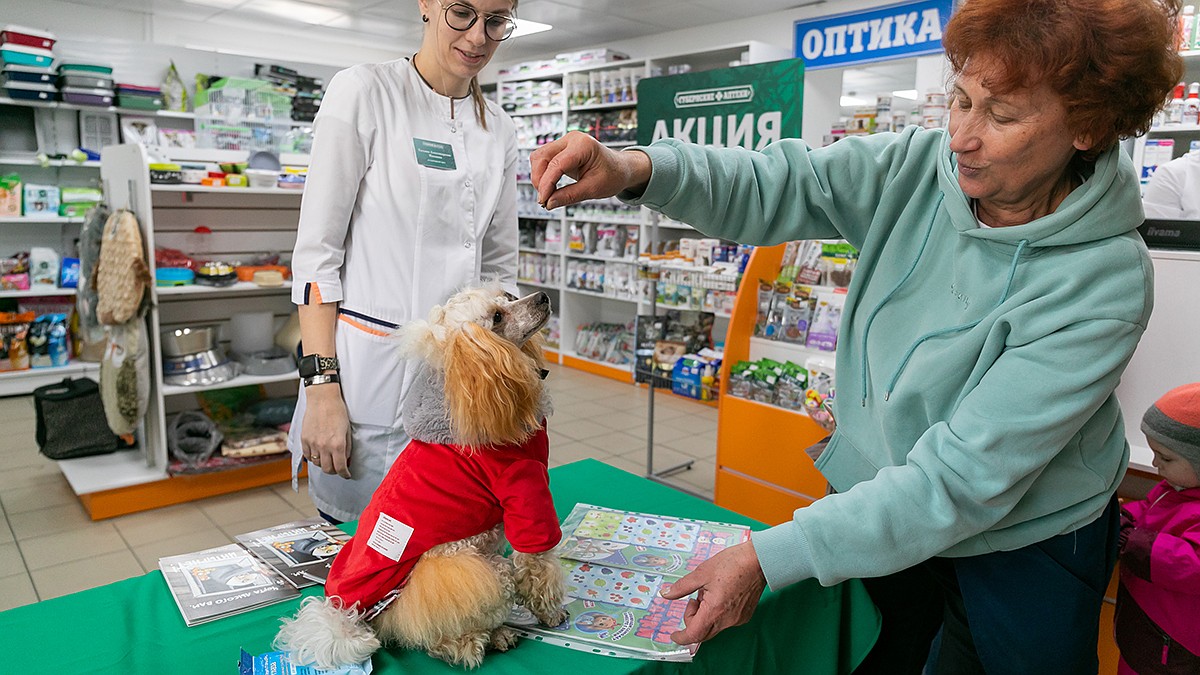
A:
(1174, 421)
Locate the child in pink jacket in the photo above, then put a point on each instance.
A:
(1158, 602)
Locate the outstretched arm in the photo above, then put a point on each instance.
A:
(727, 586)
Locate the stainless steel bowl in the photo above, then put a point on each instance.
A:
(190, 340)
(222, 373)
(194, 363)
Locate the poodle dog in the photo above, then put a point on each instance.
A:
(425, 569)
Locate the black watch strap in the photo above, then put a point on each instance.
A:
(321, 379)
(313, 364)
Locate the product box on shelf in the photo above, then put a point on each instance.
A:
(41, 201)
(27, 37)
(20, 55)
(10, 195)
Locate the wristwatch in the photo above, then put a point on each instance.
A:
(321, 379)
(312, 365)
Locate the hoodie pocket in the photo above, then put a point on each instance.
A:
(372, 372)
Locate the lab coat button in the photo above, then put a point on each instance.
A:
(468, 244)
(467, 183)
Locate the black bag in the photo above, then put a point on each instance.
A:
(71, 421)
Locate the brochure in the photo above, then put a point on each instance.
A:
(615, 564)
(302, 551)
(220, 582)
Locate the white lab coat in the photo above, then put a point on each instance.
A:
(388, 238)
(1173, 192)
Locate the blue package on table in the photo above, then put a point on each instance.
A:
(277, 663)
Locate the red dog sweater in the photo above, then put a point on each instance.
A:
(435, 494)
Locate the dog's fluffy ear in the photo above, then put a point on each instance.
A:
(420, 340)
(492, 389)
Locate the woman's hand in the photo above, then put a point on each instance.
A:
(325, 437)
(729, 584)
(598, 171)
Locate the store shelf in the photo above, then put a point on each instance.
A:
(43, 221)
(27, 160)
(1179, 128)
(617, 105)
(604, 221)
(540, 111)
(769, 406)
(227, 190)
(112, 108)
(548, 216)
(43, 292)
(762, 348)
(238, 288)
(525, 249)
(719, 315)
(601, 258)
(239, 381)
(109, 472)
(19, 382)
(538, 284)
(599, 294)
(674, 225)
(626, 368)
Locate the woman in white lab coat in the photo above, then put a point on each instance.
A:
(411, 194)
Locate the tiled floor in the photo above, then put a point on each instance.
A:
(49, 547)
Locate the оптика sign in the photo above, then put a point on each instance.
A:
(891, 32)
(747, 106)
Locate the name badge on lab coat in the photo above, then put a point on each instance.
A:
(434, 155)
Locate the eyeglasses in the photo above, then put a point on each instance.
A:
(461, 17)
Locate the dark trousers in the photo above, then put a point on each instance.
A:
(326, 516)
(1030, 611)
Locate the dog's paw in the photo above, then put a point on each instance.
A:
(503, 639)
(552, 617)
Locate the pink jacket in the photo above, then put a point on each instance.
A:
(1158, 604)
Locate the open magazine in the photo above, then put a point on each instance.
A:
(302, 551)
(615, 564)
(220, 582)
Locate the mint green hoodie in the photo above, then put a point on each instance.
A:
(975, 367)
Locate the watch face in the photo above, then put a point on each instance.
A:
(309, 366)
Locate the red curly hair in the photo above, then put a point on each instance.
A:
(1114, 62)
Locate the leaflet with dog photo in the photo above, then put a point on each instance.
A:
(615, 564)
(302, 551)
(220, 582)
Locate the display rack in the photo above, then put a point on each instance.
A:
(1182, 134)
(762, 470)
(574, 306)
(243, 221)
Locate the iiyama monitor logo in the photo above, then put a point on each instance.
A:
(1152, 231)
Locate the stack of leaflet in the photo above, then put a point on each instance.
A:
(27, 64)
(86, 83)
(139, 97)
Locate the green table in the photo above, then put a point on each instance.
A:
(133, 626)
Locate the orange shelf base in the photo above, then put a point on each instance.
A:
(612, 372)
(180, 489)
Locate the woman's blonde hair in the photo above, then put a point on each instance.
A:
(477, 91)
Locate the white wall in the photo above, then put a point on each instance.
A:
(139, 46)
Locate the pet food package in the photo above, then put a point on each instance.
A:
(41, 201)
(14, 345)
(43, 267)
(827, 317)
(49, 341)
(821, 393)
(10, 195)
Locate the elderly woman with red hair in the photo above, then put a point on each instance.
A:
(1000, 291)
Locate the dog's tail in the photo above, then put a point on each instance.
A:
(326, 635)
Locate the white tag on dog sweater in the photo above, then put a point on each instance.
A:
(390, 537)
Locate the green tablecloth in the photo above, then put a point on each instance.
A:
(133, 626)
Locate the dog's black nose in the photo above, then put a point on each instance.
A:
(543, 299)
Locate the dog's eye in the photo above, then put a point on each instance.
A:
(497, 317)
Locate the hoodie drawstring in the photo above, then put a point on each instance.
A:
(1012, 272)
(886, 298)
